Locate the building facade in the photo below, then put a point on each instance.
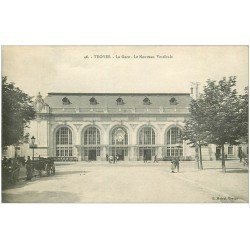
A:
(93, 126)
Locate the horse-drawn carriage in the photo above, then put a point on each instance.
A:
(40, 165)
(11, 169)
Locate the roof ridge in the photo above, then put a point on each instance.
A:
(66, 93)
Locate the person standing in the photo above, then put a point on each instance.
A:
(177, 164)
(155, 159)
(28, 168)
(110, 159)
(240, 155)
(173, 165)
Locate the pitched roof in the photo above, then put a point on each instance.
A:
(109, 100)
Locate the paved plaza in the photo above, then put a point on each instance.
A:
(134, 182)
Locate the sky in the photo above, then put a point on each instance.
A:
(79, 69)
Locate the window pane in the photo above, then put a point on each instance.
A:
(230, 150)
(91, 136)
(147, 136)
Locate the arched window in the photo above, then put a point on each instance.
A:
(174, 142)
(93, 101)
(119, 142)
(146, 101)
(91, 144)
(119, 101)
(64, 142)
(66, 101)
(147, 136)
(119, 136)
(173, 101)
(91, 136)
(146, 142)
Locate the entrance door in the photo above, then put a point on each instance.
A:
(120, 153)
(218, 153)
(147, 154)
(92, 155)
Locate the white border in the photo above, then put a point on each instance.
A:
(124, 226)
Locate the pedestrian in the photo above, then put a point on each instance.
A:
(173, 165)
(117, 158)
(240, 155)
(107, 157)
(177, 160)
(155, 159)
(28, 168)
(110, 159)
(114, 158)
(144, 159)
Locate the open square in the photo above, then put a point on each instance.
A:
(135, 182)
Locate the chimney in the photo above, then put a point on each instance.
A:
(194, 90)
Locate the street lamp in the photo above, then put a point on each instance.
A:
(33, 144)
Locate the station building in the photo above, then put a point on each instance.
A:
(93, 126)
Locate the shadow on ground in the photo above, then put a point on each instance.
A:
(71, 172)
(228, 170)
(239, 171)
(41, 197)
(24, 182)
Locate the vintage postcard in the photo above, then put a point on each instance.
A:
(125, 124)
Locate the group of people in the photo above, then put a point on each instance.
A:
(11, 167)
(112, 159)
(175, 165)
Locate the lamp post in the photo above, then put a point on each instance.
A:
(33, 144)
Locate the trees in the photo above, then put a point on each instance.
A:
(243, 117)
(194, 129)
(17, 111)
(222, 113)
(219, 116)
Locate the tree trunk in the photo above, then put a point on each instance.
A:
(200, 153)
(223, 159)
(197, 156)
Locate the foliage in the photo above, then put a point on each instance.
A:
(194, 131)
(243, 117)
(222, 111)
(219, 116)
(17, 111)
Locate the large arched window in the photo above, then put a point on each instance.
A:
(146, 136)
(174, 142)
(146, 140)
(91, 143)
(119, 142)
(64, 142)
(119, 136)
(91, 136)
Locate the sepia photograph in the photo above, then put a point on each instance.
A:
(125, 124)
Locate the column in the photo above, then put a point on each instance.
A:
(78, 152)
(159, 153)
(103, 153)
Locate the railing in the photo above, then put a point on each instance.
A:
(182, 158)
(65, 158)
(119, 110)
